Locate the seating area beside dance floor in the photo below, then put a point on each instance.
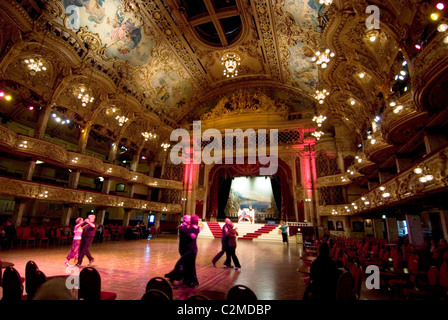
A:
(269, 269)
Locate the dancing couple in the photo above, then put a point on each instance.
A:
(228, 246)
(84, 233)
(185, 268)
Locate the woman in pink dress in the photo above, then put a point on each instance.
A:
(74, 251)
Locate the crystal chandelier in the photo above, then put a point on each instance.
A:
(323, 58)
(121, 120)
(230, 61)
(35, 65)
(320, 95)
(148, 135)
(317, 134)
(83, 94)
(319, 120)
(165, 146)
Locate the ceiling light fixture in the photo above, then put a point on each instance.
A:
(323, 58)
(83, 92)
(317, 134)
(165, 146)
(319, 120)
(320, 95)
(148, 135)
(230, 61)
(36, 63)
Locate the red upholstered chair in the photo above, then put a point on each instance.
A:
(345, 287)
(427, 289)
(12, 285)
(28, 237)
(443, 275)
(30, 267)
(41, 236)
(90, 286)
(34, 280)
(161, 284)
(155, 295)
(60, 237)
(240, 292)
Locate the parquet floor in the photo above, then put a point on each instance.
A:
(268, 268)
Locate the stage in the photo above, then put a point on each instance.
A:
(268, 268)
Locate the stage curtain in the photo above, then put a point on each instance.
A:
(223, 195)
(277, 191)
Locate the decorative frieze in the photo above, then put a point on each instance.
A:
(33, 190)
(44, 150)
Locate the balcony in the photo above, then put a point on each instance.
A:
(59, 156)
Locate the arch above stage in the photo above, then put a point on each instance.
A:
(246, 169)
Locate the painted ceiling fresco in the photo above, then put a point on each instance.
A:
(167, 83)
(120, 31)
(303, 71)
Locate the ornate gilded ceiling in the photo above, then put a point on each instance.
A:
(159, 61)
(171, 51)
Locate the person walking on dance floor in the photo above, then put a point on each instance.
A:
(224, 242)
(231, 248)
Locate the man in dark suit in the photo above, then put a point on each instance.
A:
(87, 238)
(224, 242)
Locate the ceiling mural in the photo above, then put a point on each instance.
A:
(305, 13)
(303, 71)
(150, 50)
(120, 31)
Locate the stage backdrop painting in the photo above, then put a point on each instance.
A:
(251, 191)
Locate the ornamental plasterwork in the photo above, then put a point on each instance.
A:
(244, 102)
(46, 150)
(32, 190)
(407, 185)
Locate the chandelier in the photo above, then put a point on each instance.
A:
(317, 134)
(148, 135)
(319, 120)
(121, 120)
(323, 58)
(82, 93)
(230, 61)
(320, 95)
(165, 146)
(35, 65)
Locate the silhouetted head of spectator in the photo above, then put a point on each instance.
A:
(324, 250)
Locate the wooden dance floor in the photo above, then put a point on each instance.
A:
(268, 268)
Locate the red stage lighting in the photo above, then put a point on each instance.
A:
(31, 108)
(440, 6)
(418, 47)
